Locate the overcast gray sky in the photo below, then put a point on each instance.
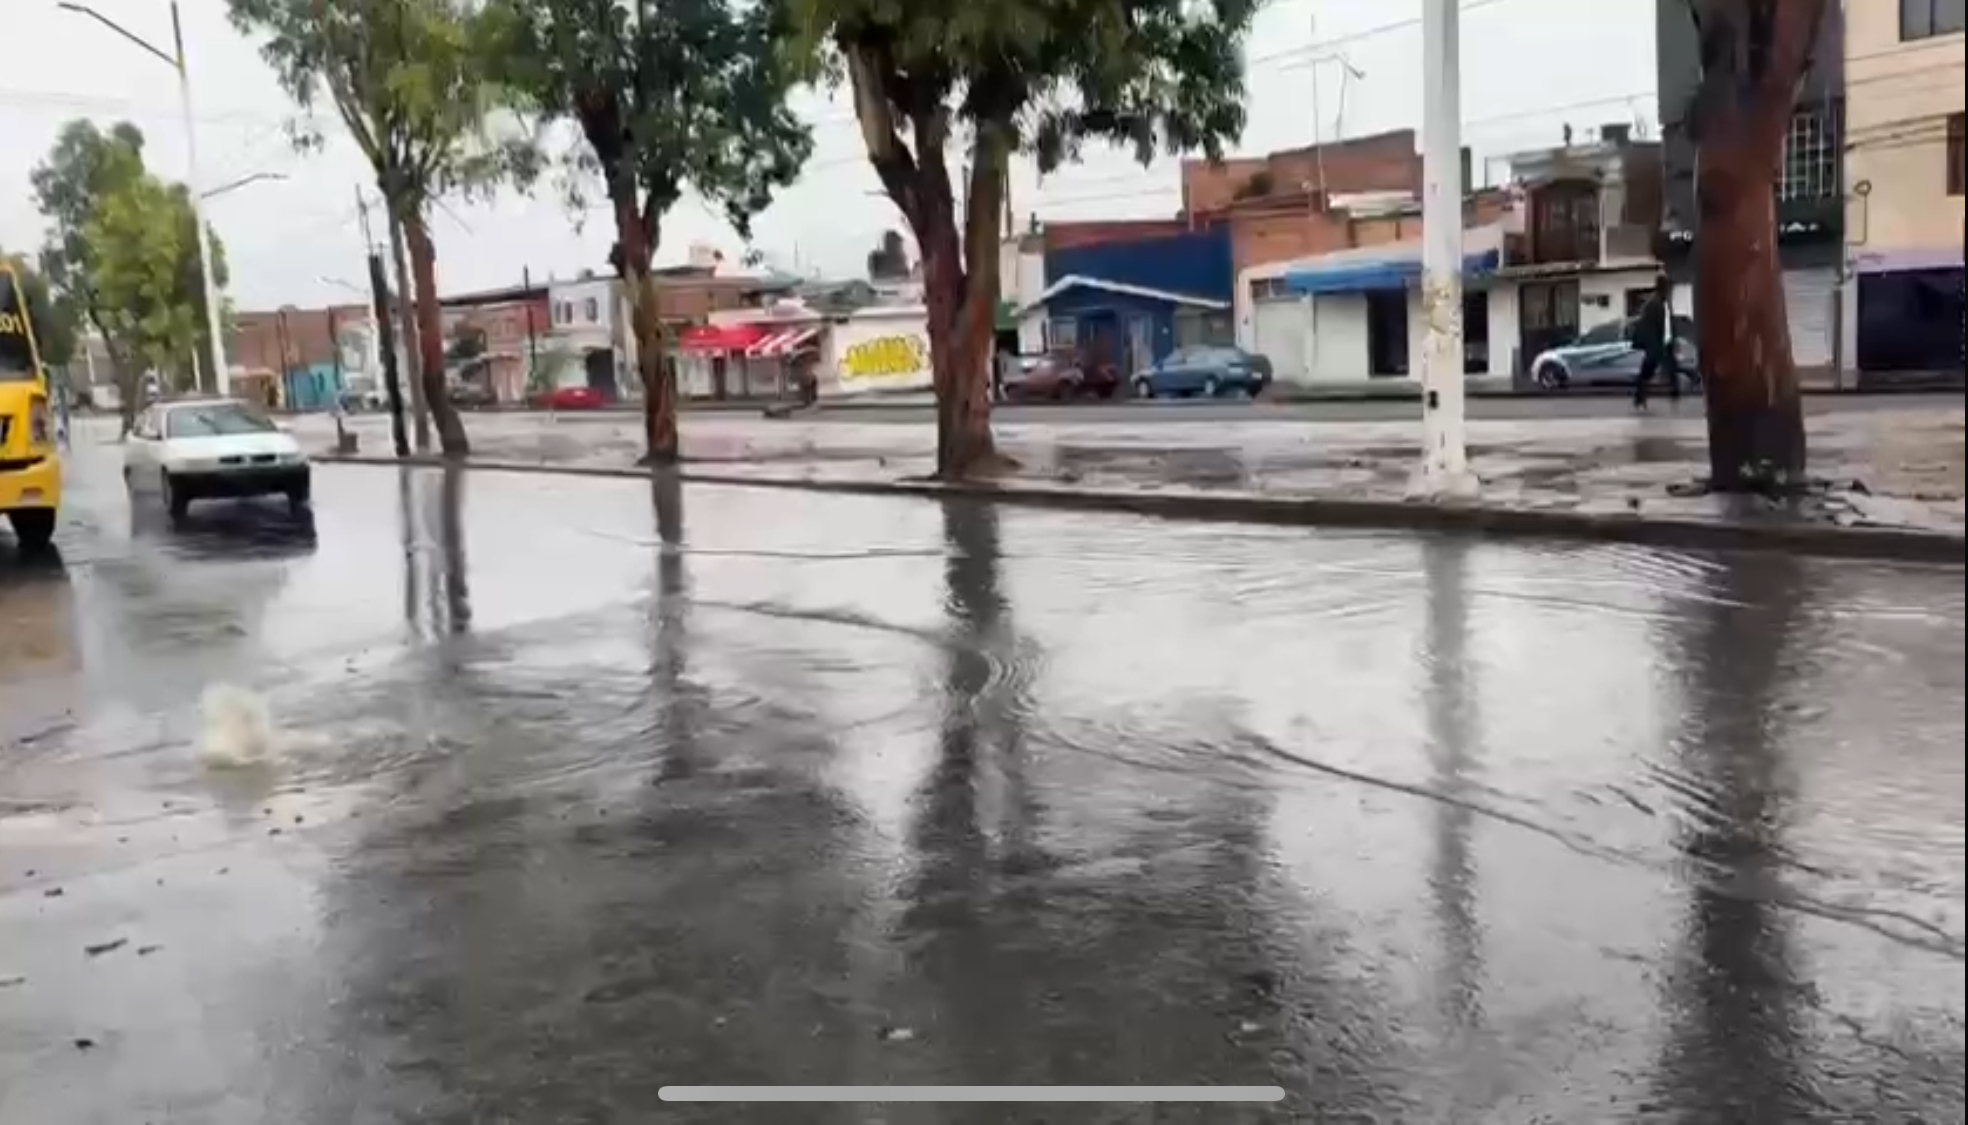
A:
(1528, 67)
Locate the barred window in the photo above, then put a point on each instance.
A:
(1810, 158)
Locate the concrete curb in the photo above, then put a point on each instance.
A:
(1901, 544)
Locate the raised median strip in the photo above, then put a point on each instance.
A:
(1856, 541)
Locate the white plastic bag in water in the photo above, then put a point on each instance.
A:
(235, 729)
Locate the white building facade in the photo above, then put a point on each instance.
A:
(583, 341)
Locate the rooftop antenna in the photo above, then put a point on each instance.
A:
(1348, 74)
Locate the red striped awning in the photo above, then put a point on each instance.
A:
(714, 339)
(786, 342)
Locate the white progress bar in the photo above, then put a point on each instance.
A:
(971, 1093)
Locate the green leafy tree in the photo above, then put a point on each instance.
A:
(1754, 56)
(672, 96)
(53, 320)
(142, 245)
(85, 165)
(404, 78)
(1002, 76)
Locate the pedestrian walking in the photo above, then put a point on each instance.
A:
(1653, 338)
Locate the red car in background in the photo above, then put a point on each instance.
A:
(569, 398)
(1060, 376)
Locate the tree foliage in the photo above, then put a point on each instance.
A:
(142, 246)
(1004, 76)
(668, 97)
(404, 77)
(85, 165)
(52, 319)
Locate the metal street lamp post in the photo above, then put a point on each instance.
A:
(233, 185)
(221, 374)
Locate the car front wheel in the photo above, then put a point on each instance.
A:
(1212, 388)
(1144, 389)
(1552, 376)
(176, 500)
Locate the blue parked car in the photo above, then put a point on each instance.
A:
(1208, 370)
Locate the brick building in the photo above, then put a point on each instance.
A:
(282, 339)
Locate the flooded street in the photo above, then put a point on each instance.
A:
(579, 788)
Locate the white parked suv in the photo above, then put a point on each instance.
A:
(194, 449)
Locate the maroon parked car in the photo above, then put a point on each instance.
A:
(1060, 377)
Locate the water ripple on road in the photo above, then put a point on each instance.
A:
(595, 785)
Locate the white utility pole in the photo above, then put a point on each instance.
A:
(175, 59)
(1444, 456)
(221, 372)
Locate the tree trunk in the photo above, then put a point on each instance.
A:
(120, 374)
(430, 339)
(1755, 414)
(1754, 56)
(406, 321)
(659, 393)
(961, 297)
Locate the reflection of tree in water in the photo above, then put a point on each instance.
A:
(1733, 1053)
(436, 588)
(1158, 960)
(1452, 728)
(520, 944)
(669, 665)
(162, 624)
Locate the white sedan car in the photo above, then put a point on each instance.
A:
(194, 449)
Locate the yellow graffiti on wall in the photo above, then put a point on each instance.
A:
(885, 357)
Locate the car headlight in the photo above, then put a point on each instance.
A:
(293, 457)
(37, 422)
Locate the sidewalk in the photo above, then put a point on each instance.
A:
(1891, 470)
(1363, 389)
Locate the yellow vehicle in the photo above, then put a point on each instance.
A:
(30, 467)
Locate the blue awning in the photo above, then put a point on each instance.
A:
(1395, 272)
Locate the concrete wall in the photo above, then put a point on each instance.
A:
(875, 351)
(1897, 102)
(1327, 338)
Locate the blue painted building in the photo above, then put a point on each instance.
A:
(1133, 302)
(314, 387)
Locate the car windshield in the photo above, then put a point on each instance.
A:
(216, 420)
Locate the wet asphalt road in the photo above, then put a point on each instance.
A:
(581, 788)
